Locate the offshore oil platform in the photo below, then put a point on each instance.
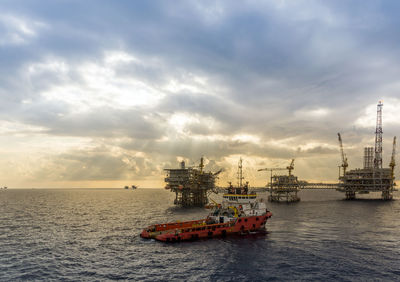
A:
(372, 177)
(283, 188)
(191, 185)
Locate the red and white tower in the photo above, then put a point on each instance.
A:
(378, 137)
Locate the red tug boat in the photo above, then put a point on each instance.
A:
(239, 213)
(223, 220)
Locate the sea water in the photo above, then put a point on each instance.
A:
(93, 234)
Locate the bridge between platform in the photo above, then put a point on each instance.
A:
(302, 186)
(319, 186)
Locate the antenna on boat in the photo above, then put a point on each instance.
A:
(240, 172)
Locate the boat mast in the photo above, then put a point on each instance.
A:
(240, 173)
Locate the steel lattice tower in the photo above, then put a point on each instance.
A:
(378, 137)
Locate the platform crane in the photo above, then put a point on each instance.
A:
(344, 158)
(393, 159)
(290, 167)
(271, 170)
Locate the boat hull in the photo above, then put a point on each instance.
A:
(193, 230)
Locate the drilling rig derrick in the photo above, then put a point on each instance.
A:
(378, 137)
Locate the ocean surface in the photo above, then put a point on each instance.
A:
(93, 234)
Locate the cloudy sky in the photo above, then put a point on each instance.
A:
(109, 93)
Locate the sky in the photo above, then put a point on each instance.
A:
(109, 93)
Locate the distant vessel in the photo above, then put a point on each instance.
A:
(4, 188)
(133, 187)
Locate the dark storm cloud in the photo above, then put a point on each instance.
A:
(264, 53)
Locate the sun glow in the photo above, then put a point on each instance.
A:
(181, 122)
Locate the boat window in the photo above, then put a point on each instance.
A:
(240, 220)
(245, 220)
(257, 218)
(203, 228)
